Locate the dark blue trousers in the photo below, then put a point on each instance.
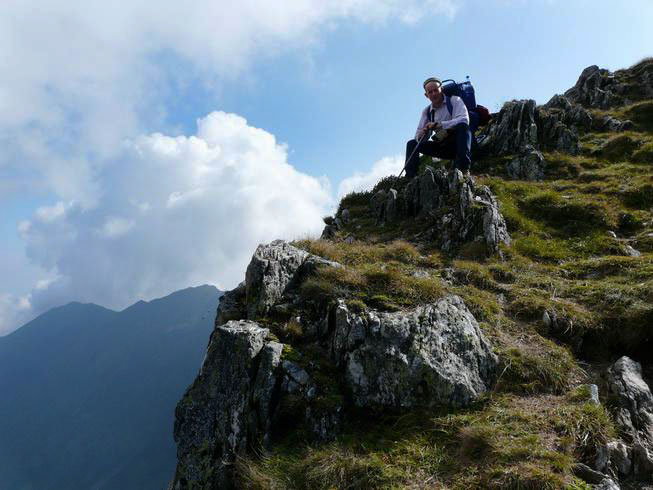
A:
(457, 146)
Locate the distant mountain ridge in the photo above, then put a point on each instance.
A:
(88, 393)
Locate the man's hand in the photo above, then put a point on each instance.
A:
(433, 126)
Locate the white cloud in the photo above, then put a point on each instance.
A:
(114, 227)
(212, 198)
(48, 214)
(14, 310)
(365, 181)
(79, 77)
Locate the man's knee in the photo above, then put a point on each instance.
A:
(461, 127)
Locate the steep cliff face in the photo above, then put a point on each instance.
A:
(434, 336)
(434, 355)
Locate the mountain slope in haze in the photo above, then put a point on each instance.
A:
(88, 394)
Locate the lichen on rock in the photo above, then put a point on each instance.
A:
(433, 355)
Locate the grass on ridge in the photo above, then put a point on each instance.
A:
(503, 442)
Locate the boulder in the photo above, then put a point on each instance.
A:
(568, 113)
(559, 123)
(274, 269)
(235, 402)
(588, 474)
(433, 355)
(634, 413)
(521, 124)
(322, 421)
(643, 461)
(231, 305)
(607, 484)
(614, 458)
(554, 134)
(595, 88)
(602, 89)
(461, 211)
(329, 232)
(529, 165)
(609, 123)
(513, 129)
(631, 252)
(228, 406)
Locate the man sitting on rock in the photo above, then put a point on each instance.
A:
(448, 117)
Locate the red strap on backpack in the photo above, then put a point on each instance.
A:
(484, 115)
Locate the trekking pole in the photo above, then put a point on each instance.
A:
(425, 136)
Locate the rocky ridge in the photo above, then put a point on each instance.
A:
(434, 355)
(444, 311)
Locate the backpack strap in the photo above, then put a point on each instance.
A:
(447, 101)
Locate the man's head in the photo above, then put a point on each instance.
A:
(433, 90)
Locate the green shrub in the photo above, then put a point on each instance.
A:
(639, 197)
(644, 154)
(545, 370)
(548, 249)
(619, 147)
(641, 114)
(354, 199)
(588, 424)
(570, 213)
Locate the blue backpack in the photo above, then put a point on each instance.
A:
(478, 115)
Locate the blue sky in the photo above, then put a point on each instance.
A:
(110, 192)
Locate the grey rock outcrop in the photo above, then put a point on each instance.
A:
(329, 232)
(433, 355)
(634, 416)
(643, 461)
(521, 124)
(588, 474)
(529, 165)
(513, 129)
(596, 88)
(559, 123)
(635, 401)
(568, 113)
(607, 484)
(462, 212)
(322, 421)
(271, 270)
(609, 123)
(232, 305)
(614, 458)
(384, 205)
(603, 89)
(556, 125)
(234, 402)
(275, 268)
(228, 406)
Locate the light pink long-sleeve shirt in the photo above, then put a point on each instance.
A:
(458, 114)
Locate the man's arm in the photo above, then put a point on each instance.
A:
(459, 113)
(422, 122)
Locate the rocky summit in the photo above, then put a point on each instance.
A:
(447, 331)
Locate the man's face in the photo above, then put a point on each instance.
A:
(433, 92)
